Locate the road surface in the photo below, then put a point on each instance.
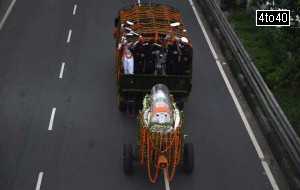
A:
(84, 148)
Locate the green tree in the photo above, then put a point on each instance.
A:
(233, 4)
(293, 33)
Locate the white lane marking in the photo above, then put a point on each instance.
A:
(39, 181)
(166, 180)
(249, 130)
(69, 36)
(139, 1)
(74, 10)
(62, 70)
(237, 104)
(7, 13)
(52, 119)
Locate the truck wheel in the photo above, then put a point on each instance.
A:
(188, 158)
(127, 158)
(121, 104)
(180, 105)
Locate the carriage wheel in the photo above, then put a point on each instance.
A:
(127, 158)
(188, 158)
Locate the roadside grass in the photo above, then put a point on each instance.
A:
(259, 45)
(254, 40)
(290, 106)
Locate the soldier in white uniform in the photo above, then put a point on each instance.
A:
(127, 57)
(128, 61)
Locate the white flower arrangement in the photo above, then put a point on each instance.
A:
(161, 128)
(146, 102)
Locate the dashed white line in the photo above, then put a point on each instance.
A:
(167, 185)
(39, 181)
(7, 13)
(69, 36)
(74, 10)
(62, 70)
(237, 104)
(51, 119)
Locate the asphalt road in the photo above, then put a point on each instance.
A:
(84, 148)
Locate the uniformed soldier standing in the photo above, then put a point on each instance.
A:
(186, 57)
(160, 65)
(173, 51)
(151, 57)
(139, 54)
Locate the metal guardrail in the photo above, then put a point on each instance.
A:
(275, 114)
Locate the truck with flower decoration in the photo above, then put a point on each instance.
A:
(161, 25)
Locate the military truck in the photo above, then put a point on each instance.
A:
(160, 25)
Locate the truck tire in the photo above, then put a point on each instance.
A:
(121, 104)
(127, 158)
(180, 102)
(180, 105)
(188, 158)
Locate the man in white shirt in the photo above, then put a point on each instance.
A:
(127, 57)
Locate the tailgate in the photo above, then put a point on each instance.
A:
(143, 83)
